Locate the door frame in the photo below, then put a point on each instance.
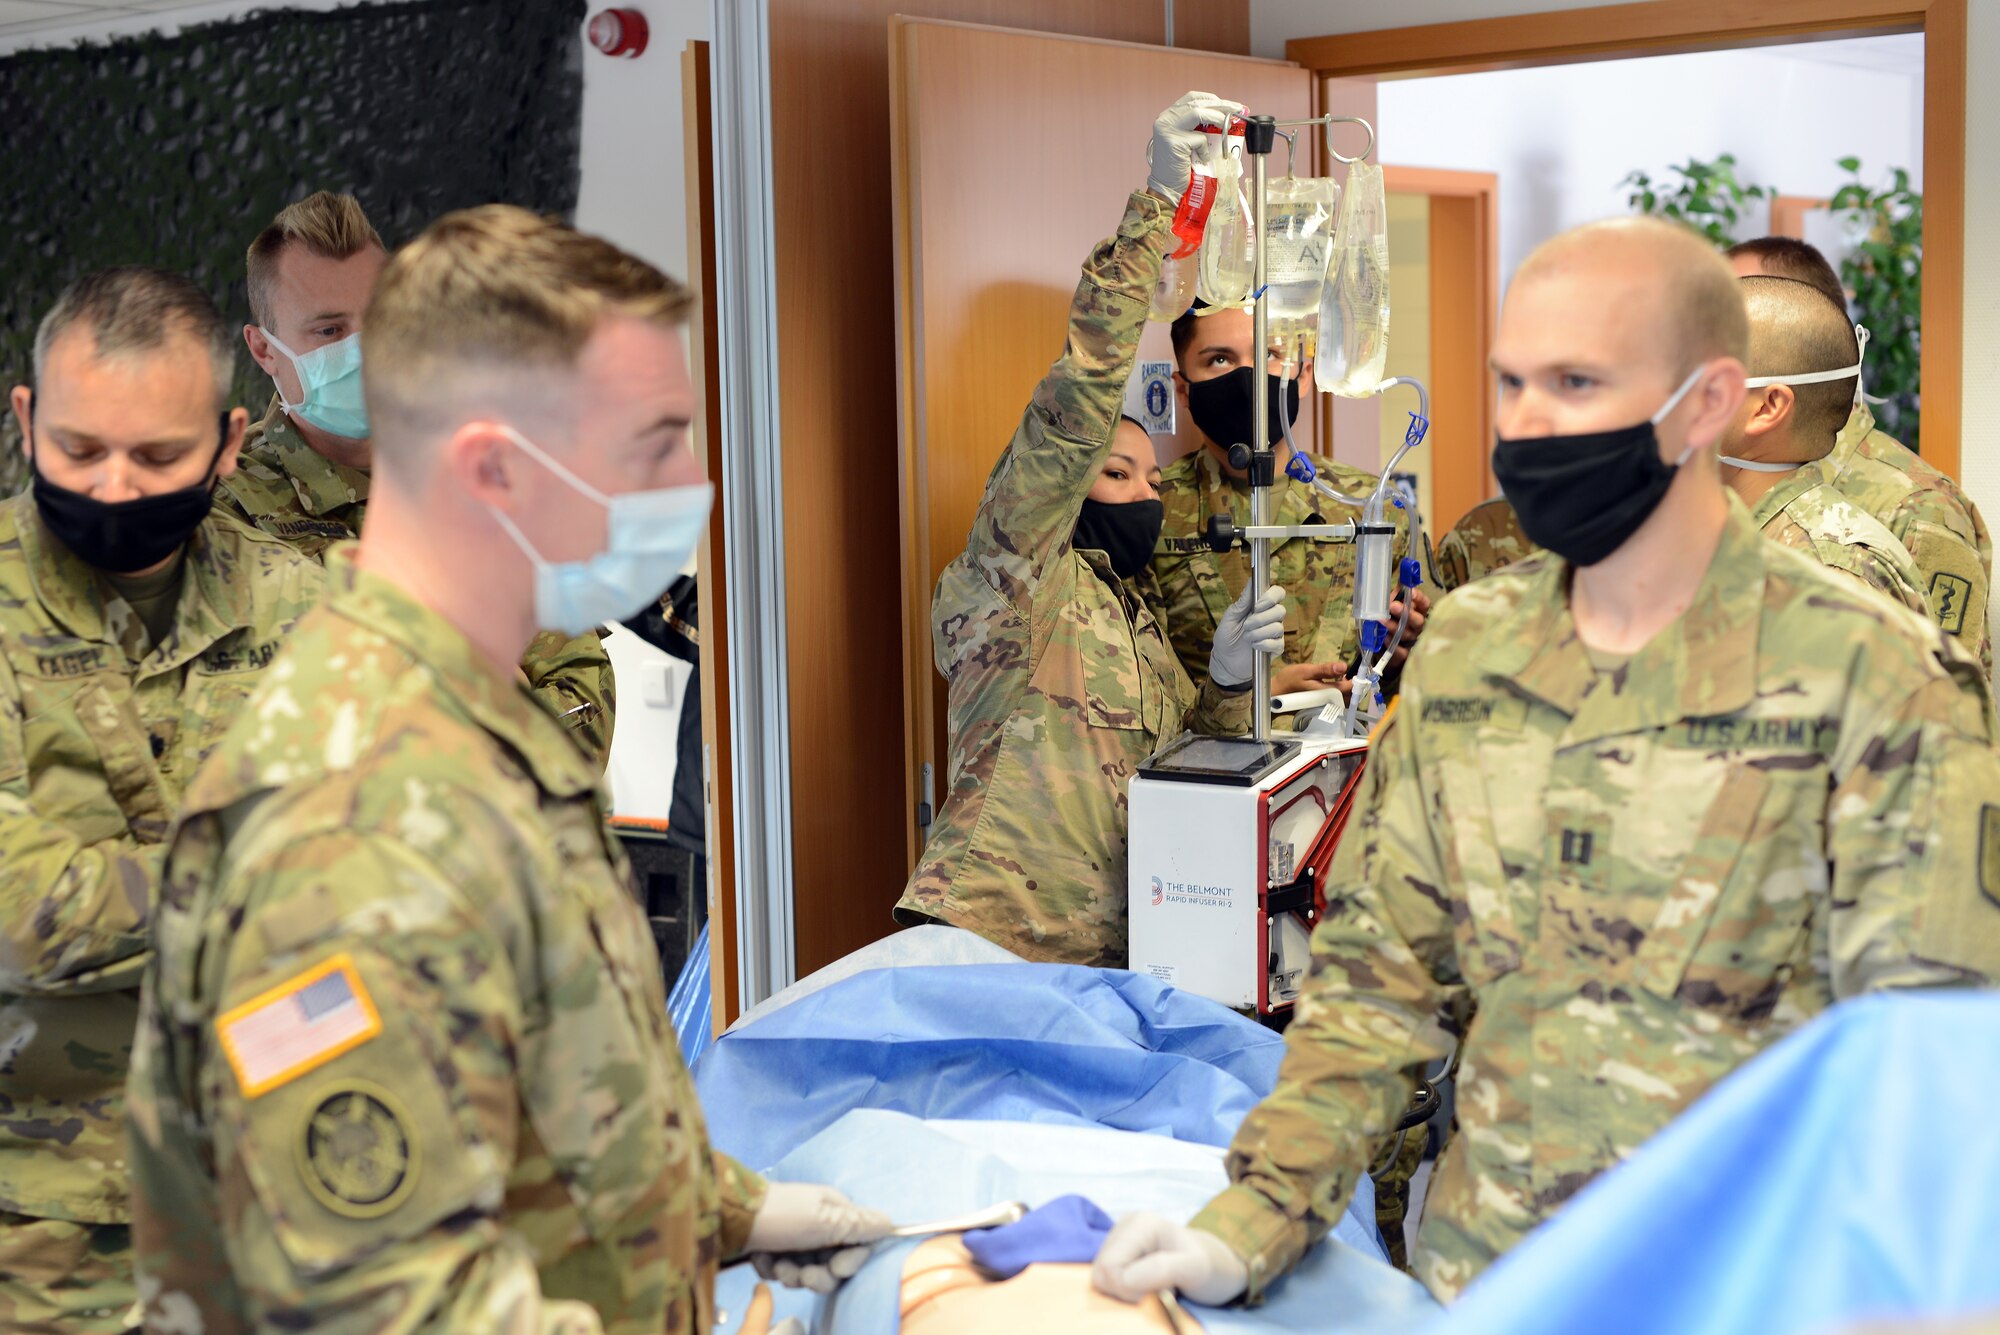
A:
(1788, 214)
(1465, 259)
(1673, 27)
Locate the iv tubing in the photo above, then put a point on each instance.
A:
(1369, 678)
(1318, 484)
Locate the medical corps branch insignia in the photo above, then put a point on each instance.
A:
(355, 1151)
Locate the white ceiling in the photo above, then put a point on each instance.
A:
(19, 16)
(1901, 54)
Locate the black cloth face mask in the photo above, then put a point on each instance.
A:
(124, 536)
(1582, 496)
(1224, 407)
(1125, 532)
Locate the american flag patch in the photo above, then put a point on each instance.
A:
(302, 1023)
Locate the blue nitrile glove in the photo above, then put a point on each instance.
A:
(1069, 1229)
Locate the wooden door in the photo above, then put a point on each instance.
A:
(1013, 155)
(1463, 308)
(831, 223)
(710, 568)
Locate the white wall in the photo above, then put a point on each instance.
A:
(1979, 443)
(1273, 22)
(633, 149)
(631, 189)
(1562, 137)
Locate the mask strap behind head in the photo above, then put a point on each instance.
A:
(1861, 337)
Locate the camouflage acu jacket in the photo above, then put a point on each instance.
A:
(293, 492)
(1486, 539)
(1643, 877)
(406, 1063)
(99, 734)
(1804, 513)
(1061, 680)
(1930, 515)
(1198, 585)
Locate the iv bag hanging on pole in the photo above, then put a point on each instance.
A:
(1228, 246)
(1174, 293)
(1354, 309)
(1299, 236)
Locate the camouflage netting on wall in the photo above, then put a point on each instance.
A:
(177, 150)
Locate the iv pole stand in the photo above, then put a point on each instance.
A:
(1259, 136)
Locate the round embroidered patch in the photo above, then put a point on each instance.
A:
(355, 1151)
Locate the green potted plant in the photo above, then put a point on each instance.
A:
(1708, 197)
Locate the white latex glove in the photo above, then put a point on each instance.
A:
(812, 1237)
(821, 1271)
(757, 1318)
(1146, 1254)
(1178, 140)
(1245, 630)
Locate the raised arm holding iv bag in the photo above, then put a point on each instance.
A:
(1181, 138)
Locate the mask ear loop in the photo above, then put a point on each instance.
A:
(1679, 394)
(297, 370)
(1675, 402)
(1861, 336)
(221, 443)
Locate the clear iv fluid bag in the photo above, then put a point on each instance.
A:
(1228, 248)
(1354, 312)
(1298, 243)
(1174, 293)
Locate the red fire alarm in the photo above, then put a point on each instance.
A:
(618, 32)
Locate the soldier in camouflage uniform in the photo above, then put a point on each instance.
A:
(1196, 584)
(1611, 824)
(1486, 539)
(1788, 422)
(1808, 516)
(127, 646)
(304, 473)
(1061, 680)
(406, 1064)
(1931, 516)
(1926, 511)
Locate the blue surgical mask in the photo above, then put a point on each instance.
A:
(330, 386)
(651, 536)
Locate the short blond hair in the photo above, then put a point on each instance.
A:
(485, 304)
(1701, 300)
(330, 226)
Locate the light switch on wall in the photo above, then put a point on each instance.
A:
(661, 683)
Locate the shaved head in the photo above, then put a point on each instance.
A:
(1665, 275)
(1796, 329)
